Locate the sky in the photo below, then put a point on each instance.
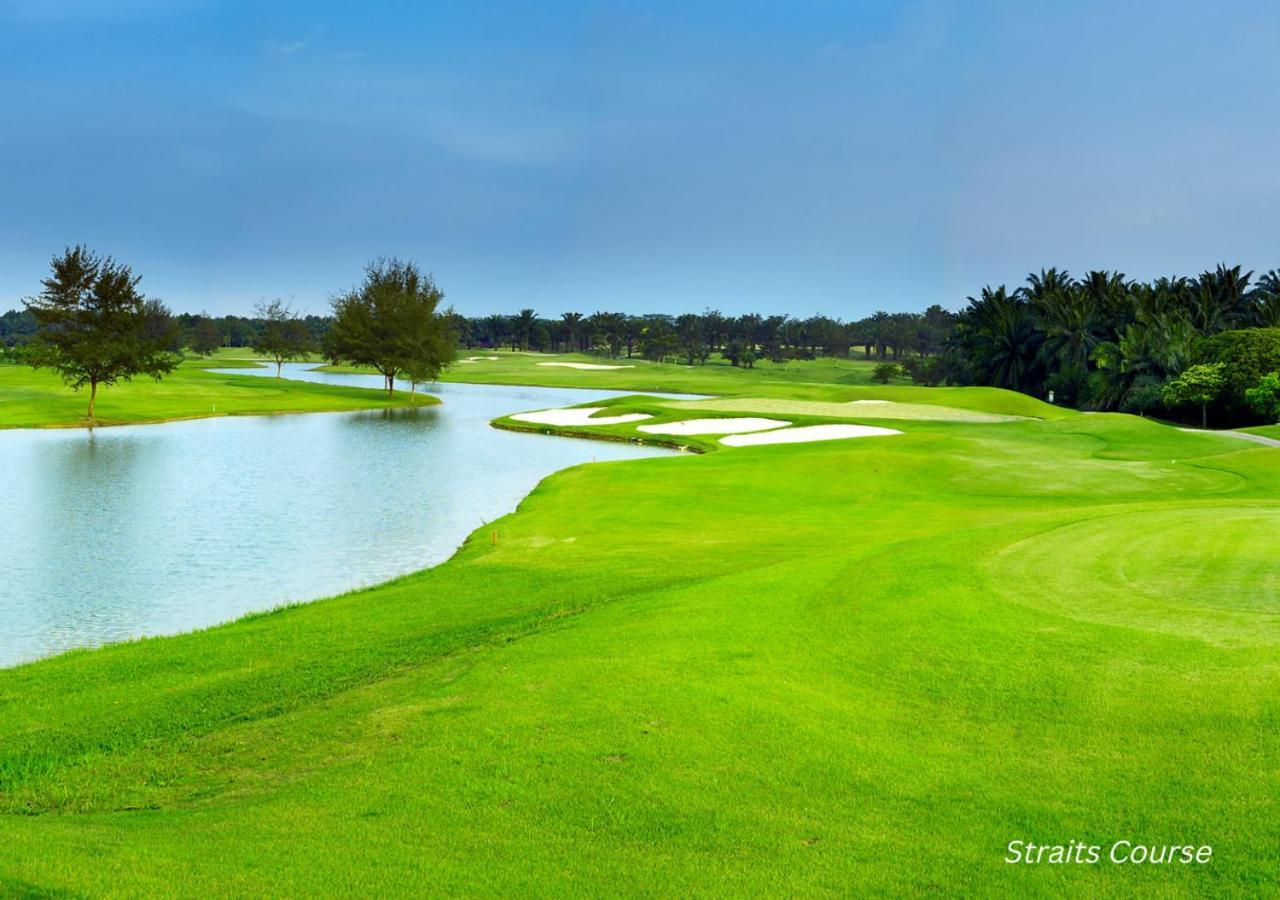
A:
(795, 157)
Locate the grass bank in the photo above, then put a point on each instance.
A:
(716, 377)
(38, 398)
(863, 666)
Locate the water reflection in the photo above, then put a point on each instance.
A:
(155, 529)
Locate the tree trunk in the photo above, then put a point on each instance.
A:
(1204, 415)
(93, 396)
(279, 365)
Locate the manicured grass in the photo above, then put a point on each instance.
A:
(1270, 431)
(860, 667)
(38, 398)
(716, 377)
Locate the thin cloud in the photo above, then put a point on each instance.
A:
(288, 48)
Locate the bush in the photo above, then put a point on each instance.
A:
(1247, 356)
(928, 371)
(884, 373)
(1265, 398)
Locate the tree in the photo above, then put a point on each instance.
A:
(573, 329)
(659, 340)
(1265, 398)
(884, 373)
(608, 328)
(205, 337)
(391, 324)
(522, 326)
(493, 330)
(692, 340)
(1247, 356)
(284, 336)
(997, 336)
(1199, 385)
(1144, 396)
(94, 327)
(740, 353)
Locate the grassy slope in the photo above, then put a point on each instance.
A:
(859, 666)
(1271, 431)
(30, 398)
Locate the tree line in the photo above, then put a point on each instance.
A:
(1200, 348)
(695, 337)
(95, 328)
(1177, 346)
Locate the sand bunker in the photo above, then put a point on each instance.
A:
(584, 366)
(714, 426)
(806, 434)
(581, 416)
(477, 358)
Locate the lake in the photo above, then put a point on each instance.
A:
(115, 533)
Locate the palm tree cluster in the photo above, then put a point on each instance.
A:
(693, 338)
(1104, 341)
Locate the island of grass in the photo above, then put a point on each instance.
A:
(39, 399)
(850, 667)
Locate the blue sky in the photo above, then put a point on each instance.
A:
(791, 157)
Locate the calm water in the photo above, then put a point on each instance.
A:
(155, 529)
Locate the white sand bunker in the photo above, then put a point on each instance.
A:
(584, 366)
(714, 426)
(580, 416)
(477, 358)
(806, 434)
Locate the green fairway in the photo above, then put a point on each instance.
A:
(38, 398)
(626, 374)
(862, 666)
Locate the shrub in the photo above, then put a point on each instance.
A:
(1265, 398)
(1246, 356)
(884, 373)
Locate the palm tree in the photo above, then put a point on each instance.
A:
(1069, 318)
(1266, 300)
(573, 327)
(1219, 299)
(493, 330)
(999, 339)
(523, 325)
(609, 328)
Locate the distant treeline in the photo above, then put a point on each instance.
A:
(1173, 346)
(1108, 342)
(691, 337)
(19, 327)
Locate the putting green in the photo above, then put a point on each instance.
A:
(1208, 572)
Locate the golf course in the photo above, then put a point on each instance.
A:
(38, 399)
(848, 665)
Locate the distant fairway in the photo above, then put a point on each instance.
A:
(846, 668)
(38, 398)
